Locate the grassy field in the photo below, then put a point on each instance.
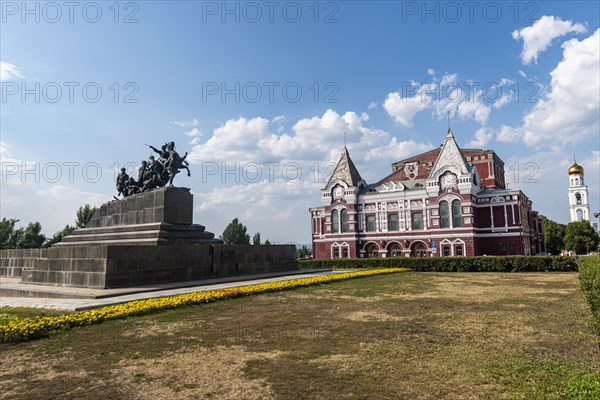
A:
(402, 336)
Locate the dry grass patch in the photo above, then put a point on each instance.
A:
(214, 373)
(406, 336)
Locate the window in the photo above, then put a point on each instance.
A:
(344, 215)
(395, 251)
(345, 252)
(372, 251)
(393, 222)
(371, 223)
(336, 251)
(456, 214)
(579, 215)
(446, 251)
(419, 250)
(444, 215)
(417, 220)
(458, 250)
(578, 198)
(335, 221)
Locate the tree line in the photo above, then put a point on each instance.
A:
(31, 236)
(237, 233)
(579, 236)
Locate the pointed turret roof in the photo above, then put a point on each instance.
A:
(345, 171)
(450, 154)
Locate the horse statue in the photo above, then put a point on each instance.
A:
(154, 173)
(175, 163)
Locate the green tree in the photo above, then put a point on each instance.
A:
(235, 233)
(58, 236)
(303, 252)
(32, 237)
(7, 229)
(267, 241)
(84, 214)
(256, 239)
(581, 237)
(554, 234)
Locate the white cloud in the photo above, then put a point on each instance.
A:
(403, 109)
(539, 36)
(280, 119)
(508, 134)
(235, 140)
(186, 124)
(446, 96)
(4, 150)
(482, 138)
(194, 132)
(568, 113)
(430, 71)
(372, 106)
(316, 138)
(9, 71)
(523, 74)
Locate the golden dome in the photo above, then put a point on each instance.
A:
(575, 169)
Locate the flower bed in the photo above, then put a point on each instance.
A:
(34, 328)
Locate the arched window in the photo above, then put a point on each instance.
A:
(344, 215)
(578, 198)
(446, 251)
(371, 223)
(444, 215)
(335, 221)
(419, 250)
(393, 222)
(458, 250)
(456, 214)
(345, 252)
(579, 215)
(417, 221)
(395, 251)
(336, 251)
(372, 251)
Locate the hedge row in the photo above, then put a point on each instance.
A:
(451, 264)
(589, 275)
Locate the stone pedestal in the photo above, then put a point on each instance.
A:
(159, 217)
(143, 239)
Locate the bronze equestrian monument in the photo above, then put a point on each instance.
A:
(146, 237)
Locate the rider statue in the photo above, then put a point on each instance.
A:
(153, 173)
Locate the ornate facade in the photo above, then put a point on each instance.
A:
(445, 202)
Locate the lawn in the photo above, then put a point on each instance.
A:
(401, 336)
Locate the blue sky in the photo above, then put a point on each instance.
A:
(260, 94)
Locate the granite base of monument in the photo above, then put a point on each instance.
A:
(145, 238)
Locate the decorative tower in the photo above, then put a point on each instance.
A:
(578, 194)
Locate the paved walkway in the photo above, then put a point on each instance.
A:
(141, 293)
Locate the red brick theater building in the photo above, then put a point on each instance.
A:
(445, 202)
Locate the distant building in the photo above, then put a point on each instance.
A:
(445, 202)
(578, 194)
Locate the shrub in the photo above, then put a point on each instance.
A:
(589, 276)
(451, 264)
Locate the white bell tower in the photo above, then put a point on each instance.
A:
(578, 194)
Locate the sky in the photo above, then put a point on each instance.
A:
(263, 95)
